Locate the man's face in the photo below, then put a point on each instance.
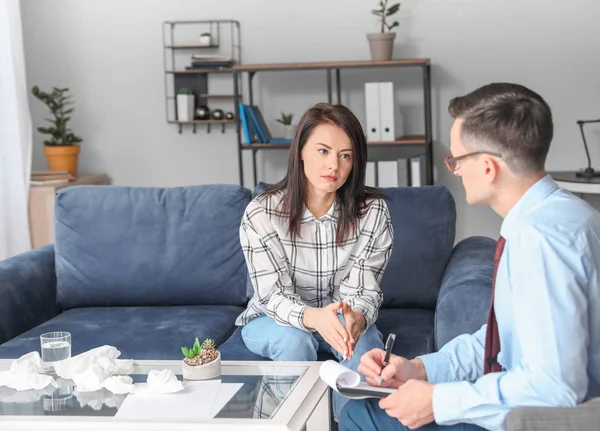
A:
(473, 170)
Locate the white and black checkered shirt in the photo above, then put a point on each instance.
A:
(312, 271)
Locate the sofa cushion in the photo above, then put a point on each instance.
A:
(138, 332)
(424, 221)
(413, 329)
(136, 246)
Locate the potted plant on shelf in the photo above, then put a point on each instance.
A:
(381, 44)
(205, 39)
(202, 361)
(61, 149)
(185, 105)
(288, 127)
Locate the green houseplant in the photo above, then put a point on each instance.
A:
(202, 361)
(288, 128)
(381, 44)
(62, 147)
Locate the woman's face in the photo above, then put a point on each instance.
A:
(327, 157)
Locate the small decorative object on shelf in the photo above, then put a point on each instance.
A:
(202, 113)
(382, 44)
(288, 127)
(205, 39)
(185, 105)
(229, 116)
(202, 361)
(62, 149)
(218, 114)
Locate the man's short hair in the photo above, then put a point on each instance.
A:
(509, 119)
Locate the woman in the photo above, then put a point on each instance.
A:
(316, 245)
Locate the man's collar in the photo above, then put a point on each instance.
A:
(536, 193)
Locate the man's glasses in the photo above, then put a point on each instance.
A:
(452, 162)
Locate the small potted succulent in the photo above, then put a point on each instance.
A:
(205, 39)
(288, 127)
(202, 361)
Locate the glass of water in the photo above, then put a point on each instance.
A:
(56, 346)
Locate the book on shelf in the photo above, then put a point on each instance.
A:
(50, 177)
(255, 128)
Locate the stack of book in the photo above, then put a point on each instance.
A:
(203, 61)
(43, 178)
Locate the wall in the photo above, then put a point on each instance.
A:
(109, 53)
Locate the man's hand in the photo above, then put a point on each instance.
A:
(326, 322)
(412, 404)
(355, 322)
(397, 372)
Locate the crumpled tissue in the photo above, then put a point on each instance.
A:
(96, 369)
(26, 373)
(160, 382)
(98, 399)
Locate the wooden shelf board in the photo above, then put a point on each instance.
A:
(404, 140)
(203, 122)
(216, 96)
(191, 71)
(331, 65)
(191, 46)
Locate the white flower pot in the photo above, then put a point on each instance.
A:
(185, 107)
(203, 372)
(204, 41)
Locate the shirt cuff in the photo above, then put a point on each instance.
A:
(446, 403)
(437, 366)
(299, 311)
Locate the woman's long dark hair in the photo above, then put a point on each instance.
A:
(352, 195)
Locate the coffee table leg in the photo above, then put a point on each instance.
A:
(319, 420)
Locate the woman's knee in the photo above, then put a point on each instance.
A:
(280, 343)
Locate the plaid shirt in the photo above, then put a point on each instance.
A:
(312, 270)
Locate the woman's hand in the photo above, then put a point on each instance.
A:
(326, 322)
(355, 322)
(397, 372)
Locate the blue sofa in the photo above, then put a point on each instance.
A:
(149, 269)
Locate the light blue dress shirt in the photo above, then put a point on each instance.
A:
(547, 305)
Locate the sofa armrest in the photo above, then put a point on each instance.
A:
(584, 417)
(27, 291)
(464, 298)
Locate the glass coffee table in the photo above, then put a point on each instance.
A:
(271, 396)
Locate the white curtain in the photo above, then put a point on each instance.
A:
(15, 134)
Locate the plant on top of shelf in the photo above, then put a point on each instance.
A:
(381, 44)
(384, 12)
(205, 39)
(62, 148)
(285, 119)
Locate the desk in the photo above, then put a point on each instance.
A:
(41, 207)
(568, 180)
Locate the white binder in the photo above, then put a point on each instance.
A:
(372, 106)
(384, 122)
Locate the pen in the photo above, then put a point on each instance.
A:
(389, 345)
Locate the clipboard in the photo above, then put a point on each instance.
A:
(347, 382)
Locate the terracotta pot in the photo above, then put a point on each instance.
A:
(381, 45)
(203, 372)
(63, 157)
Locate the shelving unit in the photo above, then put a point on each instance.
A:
(197, 80)
(403, 147)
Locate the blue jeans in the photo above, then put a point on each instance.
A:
(365, 415)
(285, 343)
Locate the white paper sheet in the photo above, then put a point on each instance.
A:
(347, 382)
(199, 400)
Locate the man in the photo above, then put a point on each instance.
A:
(541, 345)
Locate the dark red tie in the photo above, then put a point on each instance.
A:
(492, 339)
